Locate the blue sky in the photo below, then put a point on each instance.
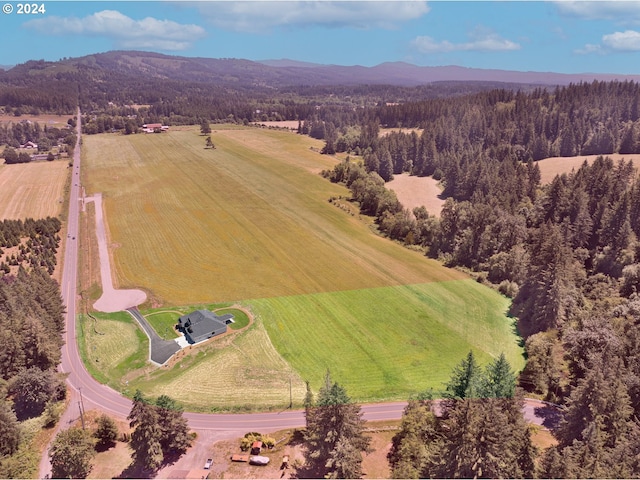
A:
(559, 36)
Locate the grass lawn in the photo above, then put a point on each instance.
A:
(240, 319)
(112, 346)
(164, 323)
(249, 222)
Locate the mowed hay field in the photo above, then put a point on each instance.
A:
(250, 221)
(33, 190)
(246, 220)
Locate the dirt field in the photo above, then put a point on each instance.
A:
(416, 191)
(33, 190)
(550, 167)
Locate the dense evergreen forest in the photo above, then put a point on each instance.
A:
(31, 326)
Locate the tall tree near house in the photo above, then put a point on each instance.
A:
(335, 436)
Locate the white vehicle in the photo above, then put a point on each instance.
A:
(258, 460)
(208, 463)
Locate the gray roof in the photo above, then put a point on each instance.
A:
(202, 322)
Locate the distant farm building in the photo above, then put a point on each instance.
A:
(202, 324)
(154, 128)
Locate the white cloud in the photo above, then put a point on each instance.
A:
(626, 11)
(627, 41)
(127, 32)
(262, 16)
(481, 41)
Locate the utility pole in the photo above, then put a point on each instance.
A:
(81, 415)
(81, 406)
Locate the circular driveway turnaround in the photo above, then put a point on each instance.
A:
(111, 300)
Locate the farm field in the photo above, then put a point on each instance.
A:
(33, 190)
(552, 166)
(250, 222)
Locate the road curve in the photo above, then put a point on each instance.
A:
(86, 390)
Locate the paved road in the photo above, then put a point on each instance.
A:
(95, 395)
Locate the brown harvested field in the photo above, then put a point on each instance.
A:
(56, 120)
(33, 190)
(550, 167)
(417, 191)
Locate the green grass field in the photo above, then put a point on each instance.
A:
(250, 222)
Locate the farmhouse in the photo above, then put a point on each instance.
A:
(154, 128)
(202, 324)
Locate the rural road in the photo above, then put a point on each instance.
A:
(86, 392)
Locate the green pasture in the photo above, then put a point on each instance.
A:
(391, 342)
(249, 222)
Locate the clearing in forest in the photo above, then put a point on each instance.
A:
(552, 166)
(415, 191)
(250, 221)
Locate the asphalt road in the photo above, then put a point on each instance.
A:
(95, 395)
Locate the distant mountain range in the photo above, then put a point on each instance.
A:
(283, 72)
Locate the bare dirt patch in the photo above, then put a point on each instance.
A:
(417, 191)
(552, 166)
(289, 444)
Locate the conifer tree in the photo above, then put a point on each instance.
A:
(335, 436)
(71, 453)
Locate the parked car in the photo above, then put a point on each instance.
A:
(208, 463)
(258, 460)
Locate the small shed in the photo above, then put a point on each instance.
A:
(256, 447)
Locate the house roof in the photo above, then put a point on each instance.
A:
(202, 322)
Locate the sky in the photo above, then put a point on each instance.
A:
(552, 36)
